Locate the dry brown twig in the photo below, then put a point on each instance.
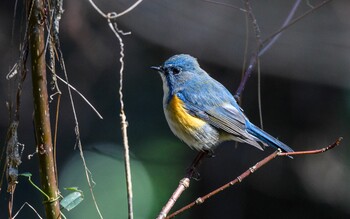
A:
(183, 185)
(111, 19)
(185, 182)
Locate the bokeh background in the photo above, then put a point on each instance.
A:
(305, 88)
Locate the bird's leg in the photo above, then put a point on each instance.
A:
(192, 170)
(210, 153)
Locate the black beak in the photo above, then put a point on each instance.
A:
(157, 68)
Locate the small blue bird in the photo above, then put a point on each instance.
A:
(202, 112)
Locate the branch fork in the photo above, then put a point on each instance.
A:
(185, 182)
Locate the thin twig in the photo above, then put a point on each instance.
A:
(246, 44)
(254, 57)
(115, 15)
(285, 23)
(253, 20)
(54, 18)
(30, 206)
(123, 121)
(132, 7)
(80, 94)
(227, 5)
(295, 20)
(183, 185)
(318, 151)
(259, 96)
(77, 134)
(271, 39)
(248, 172)
(113, 26)
(266, 48)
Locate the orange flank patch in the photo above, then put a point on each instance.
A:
(179, 116)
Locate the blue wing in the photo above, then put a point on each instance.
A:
(216, 105)
(267, 138)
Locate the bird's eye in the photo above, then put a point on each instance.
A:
(176, 70)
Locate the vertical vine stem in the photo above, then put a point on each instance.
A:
(41, 109)
(111, 18)
(123, 121)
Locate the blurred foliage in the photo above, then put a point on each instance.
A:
(107, 169)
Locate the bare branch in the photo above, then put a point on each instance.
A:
(261, 49)
(329, 147)
(244, 175)
(183, 185)
(285, 23)
(295, 20)
(240, 178)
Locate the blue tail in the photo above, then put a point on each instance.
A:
(266, 138)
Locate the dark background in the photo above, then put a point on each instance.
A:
(305, 85)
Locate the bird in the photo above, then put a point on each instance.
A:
(202, 112)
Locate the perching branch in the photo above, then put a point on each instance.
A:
(41, 109)
(185, 182)
(183, 185)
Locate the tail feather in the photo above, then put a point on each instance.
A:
(266, 138)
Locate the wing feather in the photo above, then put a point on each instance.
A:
(217, 107)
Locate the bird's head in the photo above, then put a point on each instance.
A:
(178, 69)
